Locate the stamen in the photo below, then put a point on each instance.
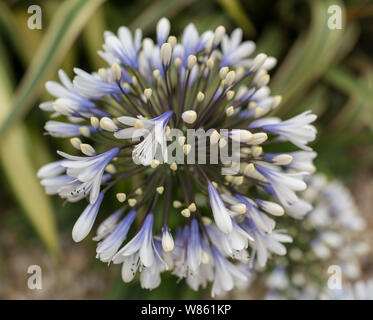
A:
(110, 168)
(160, 189)
(173, 166)
(185, 213)
(176, 204)
(121, 197)
(148, 93)
(192, 207)
(200, 96)
(132, 202)
(155, 163)
(229, 111)
(187, 148)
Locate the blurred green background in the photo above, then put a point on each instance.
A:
(328, 71)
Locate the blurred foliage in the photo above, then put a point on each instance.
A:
(328, 71)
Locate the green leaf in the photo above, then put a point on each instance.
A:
(272, 41)
(234, 9)
(93, 37)
(9, 23)
(343, 79)
(20, 173)
(66, 25)
(358, 110)
(168, 8)
(311, 55)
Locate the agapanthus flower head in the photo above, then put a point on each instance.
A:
(330, 235)
(359, 290)
(189, 118)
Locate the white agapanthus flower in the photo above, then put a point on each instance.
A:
(330, 236)
(122, 119)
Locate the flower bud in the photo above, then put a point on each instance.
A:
(167, 240)
(189, 116)
(108, 124)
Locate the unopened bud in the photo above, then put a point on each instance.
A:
(172, 40)
(229, 111)
(258, 138)
(102, 74)
(256, 151)
(230, 94)
(239, 208)
(95, 123)
(272, 208)
(148, 93)
(189, 116)
(222, 143)
(206, 221)
(187, 148)
(181, 140)
(258, 62)
(87, 149)
(214, 137)
(116, 71)
(167, 240)
(229, 79)
(177, 62)
(108, 124)
(84, 130)
(110, 168)
(258, 112)
(219, 34)
(276, 101)
(223, 72)
(261, 78)
(192, 60)
(210, 64)
(156, 74)
(173, 166)
(166, 52)
(237, 180)
(282, 159)
(200, 96)
(76, 142)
